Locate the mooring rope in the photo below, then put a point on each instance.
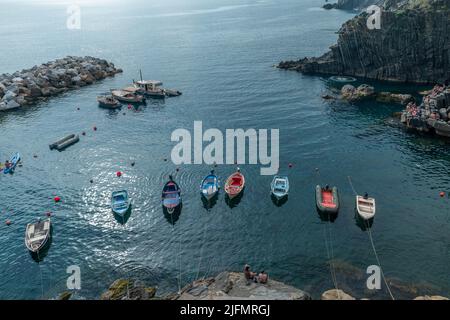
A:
(369, 232)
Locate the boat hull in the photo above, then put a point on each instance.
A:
(234, 185)
(14, 161)
(327, 205)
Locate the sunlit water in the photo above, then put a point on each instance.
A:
(220, 54)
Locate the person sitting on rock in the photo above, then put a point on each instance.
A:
(263, 277)
(249, 275)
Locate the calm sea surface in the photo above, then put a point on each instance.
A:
(220, 54)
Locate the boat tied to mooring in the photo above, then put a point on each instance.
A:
(108, 102)
(37, 235)
(327, 199)
(365, 206)
(235, 184)
(209, 186)
(280, 187)
(120, 202)
(171, 195)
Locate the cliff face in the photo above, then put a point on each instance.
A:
(413, 45)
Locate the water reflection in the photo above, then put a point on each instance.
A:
(173, 217)
(279, 202)
(123, 219)
(233, 203)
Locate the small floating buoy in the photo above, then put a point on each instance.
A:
(165, 159)
(48, 214)
(57, 199)
(177, 169)
(8, 222)
(95, 128)
(35, 156)
(91, 181)
(442, 194)
(118, 173)
(83, 133)
(290, 165)
(78, 108)
(129, 107)
(133, 163)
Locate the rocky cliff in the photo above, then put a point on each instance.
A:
(52, 78)
(412, 45)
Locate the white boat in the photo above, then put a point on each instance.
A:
(210, 186)
(280, 187)
(120, 202)
(365, 207)
(127, 96)
(37, 235)
(150, 88)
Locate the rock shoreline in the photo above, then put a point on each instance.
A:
(29, 86)
(411, 46)
(225, 286)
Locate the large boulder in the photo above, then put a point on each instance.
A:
(232, 285)
(336, 294)
(35, 91)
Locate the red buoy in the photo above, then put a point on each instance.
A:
(57, 199)
(442, 194)
(118, 173)
(129, 107)
(8, 222)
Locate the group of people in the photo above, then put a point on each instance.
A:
(262, 277)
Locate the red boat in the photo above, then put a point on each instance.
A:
(235, 184)
(327, 200)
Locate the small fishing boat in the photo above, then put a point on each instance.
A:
(120, 203)
(327, 200)
(365, 207)
(150, 88)
(235, 184)
(108, 102)
(210, 186)
(12, 164)
(127, 96)
(280, 187)
(37, 235)
(171, 195)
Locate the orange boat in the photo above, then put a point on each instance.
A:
(327, 200)
(234, 184)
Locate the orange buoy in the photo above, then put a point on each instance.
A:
(57, 199)
(8, 222)
(118, 173)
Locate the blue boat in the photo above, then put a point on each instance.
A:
(120, 203)
(210, 186)
(171, 196)
(12, 164)
(280, 187)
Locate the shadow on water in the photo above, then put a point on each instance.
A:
(123, 219)
(279, 202)
(233, 203)
(364, 225)
(40, 256)
(209, 204)
(325, 216)
(172, 218)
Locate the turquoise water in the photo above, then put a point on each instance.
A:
(220, 54)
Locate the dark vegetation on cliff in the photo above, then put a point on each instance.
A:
(412, 45)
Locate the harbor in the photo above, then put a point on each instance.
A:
(103, 202)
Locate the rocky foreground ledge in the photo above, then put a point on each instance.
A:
(30, 86)
(225, 286)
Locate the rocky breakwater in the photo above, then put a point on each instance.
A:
(412, 45)
(30, 86)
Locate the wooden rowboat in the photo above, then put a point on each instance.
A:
(108, 102)
(171, 196)
(127, 96)
(37, 235)
(210, 186)
(365, 207)
(235, 184)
